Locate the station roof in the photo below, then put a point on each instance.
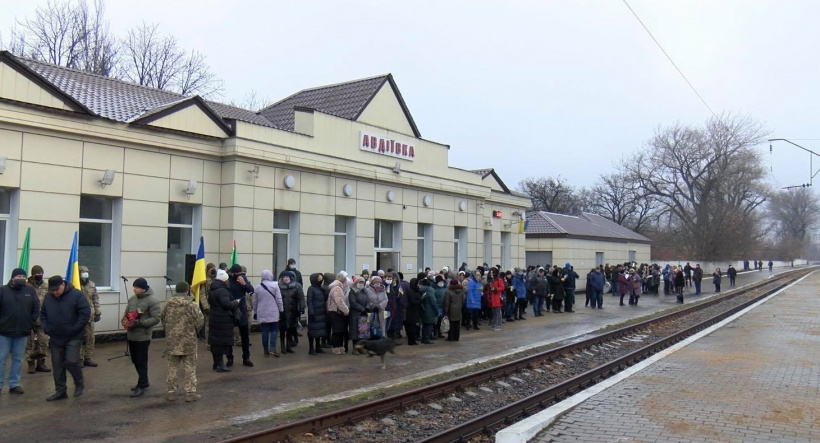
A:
(345, 100)
(542, 224)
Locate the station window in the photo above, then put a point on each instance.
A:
(459, 246)
(383, 234)
(488, 247)
(8, 250)
(183, 234)
(344, 243)
(96, 237)
(424, 248)
(285, 238)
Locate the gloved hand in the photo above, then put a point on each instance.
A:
(96, 318)
(254, 316)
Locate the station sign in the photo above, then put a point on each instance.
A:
(378, 144)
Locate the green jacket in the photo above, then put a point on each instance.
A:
(150, 310)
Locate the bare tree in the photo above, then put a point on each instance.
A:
(67, 34)
(252, 101)
(793, 215)
(155, 60)
(619, 198)
(709, 182)
(551, 194)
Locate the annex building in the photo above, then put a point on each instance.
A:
(585, 241)
(337, 177)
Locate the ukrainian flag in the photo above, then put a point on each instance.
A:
(199, 277)
(72, 273)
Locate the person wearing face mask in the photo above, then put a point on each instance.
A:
(90, 291)
(240, 287)
(19, 309)
(475, 291)
(338, 311)
(317, 313)
(37, 345)
(376, 303)
(357, 299)
(394, 308)
(293, 301)
(292, 268)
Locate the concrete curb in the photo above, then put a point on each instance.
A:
(527, 429)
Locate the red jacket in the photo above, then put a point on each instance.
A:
(494, 289)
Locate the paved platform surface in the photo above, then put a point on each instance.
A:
(106, 413)
(754, 380)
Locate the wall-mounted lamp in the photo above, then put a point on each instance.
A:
(2, 165)
(254, 171)
(397, 168)
(108, 177)
(191, 188)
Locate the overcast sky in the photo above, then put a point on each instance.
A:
(529, 88)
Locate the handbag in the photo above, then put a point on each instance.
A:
(375, 331)
(363, 328)
(445, 325)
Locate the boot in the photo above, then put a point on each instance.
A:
(230, 361)
(89, 362)
(32, 367)
(193, 396)
(41, 365)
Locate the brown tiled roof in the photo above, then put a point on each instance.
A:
(585, 225)
(345, 100)
(119, 100)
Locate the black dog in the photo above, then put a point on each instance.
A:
(378, 347)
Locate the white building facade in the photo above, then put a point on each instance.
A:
(336, 177)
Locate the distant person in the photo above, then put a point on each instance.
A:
(770, 265)
(732, 273)
(680, 283)
(292, 268)
(687, 274)
(697, 277)
(716, 276)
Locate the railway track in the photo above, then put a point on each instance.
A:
(627, 349)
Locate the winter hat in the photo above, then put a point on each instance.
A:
(141, 283)
(182, 287)
(440, 278)
(54, 282)
(18, 271)
(431, 274)
(83, 268)
(289, 274)
(453, 282)
(36, 269)
(567, 265)
(221, 275)
(236, 269)
(375, 280)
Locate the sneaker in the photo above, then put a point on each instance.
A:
(16, 390)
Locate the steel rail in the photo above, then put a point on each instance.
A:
(380, 406)
(541, 400)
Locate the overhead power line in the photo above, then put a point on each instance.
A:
(671, 61)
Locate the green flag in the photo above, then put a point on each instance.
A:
(25, 254)
(233, 254)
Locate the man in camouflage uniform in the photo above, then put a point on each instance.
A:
(37, 346)
(90, 291)
(204, 290)
(182, 319)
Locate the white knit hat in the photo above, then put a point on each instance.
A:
(221, 275)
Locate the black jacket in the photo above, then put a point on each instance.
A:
(317, 307)
(239, 292)
(293, 301)
(414, 295)
(221, 317)
(64, 319)
(19, 309)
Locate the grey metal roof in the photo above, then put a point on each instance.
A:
(584, 225)
(345, 100)
(119, 100)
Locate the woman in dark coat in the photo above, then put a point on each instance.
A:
(394, 322)
(454, 299)
(557, 280)
(317, 314)
(358, 309)
(221, 320)
(412, 315)
(293, 301)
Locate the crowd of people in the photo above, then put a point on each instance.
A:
(51, 317)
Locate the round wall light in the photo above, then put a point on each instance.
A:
(290, 181)
(462, 206)
(347, 190)
(427, 200)
(391, 196)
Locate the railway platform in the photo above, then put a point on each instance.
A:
(754, 380)
(244, 400)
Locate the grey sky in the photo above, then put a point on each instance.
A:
(530, 88)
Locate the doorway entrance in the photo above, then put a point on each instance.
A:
(387, 260)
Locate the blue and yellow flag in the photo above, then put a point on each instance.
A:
(72, 273)
(199, 277)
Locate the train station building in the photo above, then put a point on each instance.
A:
(337, 177)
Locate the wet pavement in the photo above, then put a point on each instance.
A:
(754, 380)
(106, 412)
